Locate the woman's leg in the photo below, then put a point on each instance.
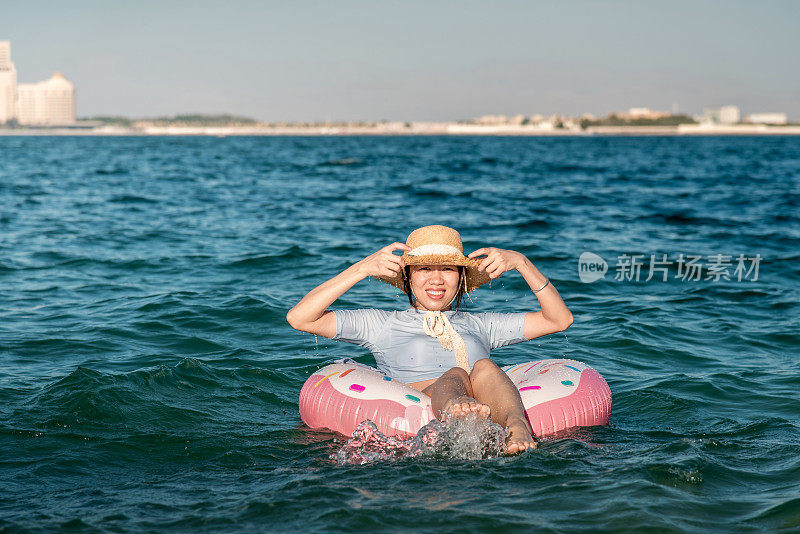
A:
(490, 385)
(452, 394)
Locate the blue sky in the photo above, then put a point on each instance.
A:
(411, 60)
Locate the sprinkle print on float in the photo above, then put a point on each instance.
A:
(560, 394)
(557, 395)
(394, 407)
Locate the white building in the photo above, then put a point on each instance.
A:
(729, 115)
(723, 115)
(643, 113)
(767, 118)
(492, 119)
(8, 84)
(51, 102)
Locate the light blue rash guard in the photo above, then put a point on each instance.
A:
(403, 351)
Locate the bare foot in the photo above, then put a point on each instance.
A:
(519, 437)
(463, 406)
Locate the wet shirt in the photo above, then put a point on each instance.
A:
(403, 351)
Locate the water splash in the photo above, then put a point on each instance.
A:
(462, 438)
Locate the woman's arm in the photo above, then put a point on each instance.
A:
(554, 316)
(311, 314)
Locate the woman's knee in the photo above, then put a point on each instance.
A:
(455, 379)
(457, 373)
(484, 366)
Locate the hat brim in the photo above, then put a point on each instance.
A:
(475, 278)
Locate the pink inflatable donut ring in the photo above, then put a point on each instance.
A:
(558, 394)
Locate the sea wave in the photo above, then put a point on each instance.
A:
(149, 380)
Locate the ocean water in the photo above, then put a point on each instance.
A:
(149, 381)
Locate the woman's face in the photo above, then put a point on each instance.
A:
(434, 286)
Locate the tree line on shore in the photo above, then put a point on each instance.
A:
(200, 120)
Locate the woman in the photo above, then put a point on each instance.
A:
(431, 346)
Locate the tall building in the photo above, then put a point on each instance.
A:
(8, 84)
(723, 115)
(47, 103)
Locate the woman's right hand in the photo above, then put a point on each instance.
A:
(383, 262)
(312, 315)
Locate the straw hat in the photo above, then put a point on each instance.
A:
(439, 245)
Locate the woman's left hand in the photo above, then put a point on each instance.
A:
(498, 260)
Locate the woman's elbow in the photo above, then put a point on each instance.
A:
(566, 322)
(291, 318)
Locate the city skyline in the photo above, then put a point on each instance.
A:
(48, 102)
(410, 61)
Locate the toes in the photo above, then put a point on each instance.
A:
(471, 406)
(480, 409)
(457, 410)
(519, 447)
(513, 449)
(525, 445)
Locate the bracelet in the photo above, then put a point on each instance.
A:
(544, 286)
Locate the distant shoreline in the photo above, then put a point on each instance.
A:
(411, 129)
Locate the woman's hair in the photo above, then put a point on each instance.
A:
(455, 305)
